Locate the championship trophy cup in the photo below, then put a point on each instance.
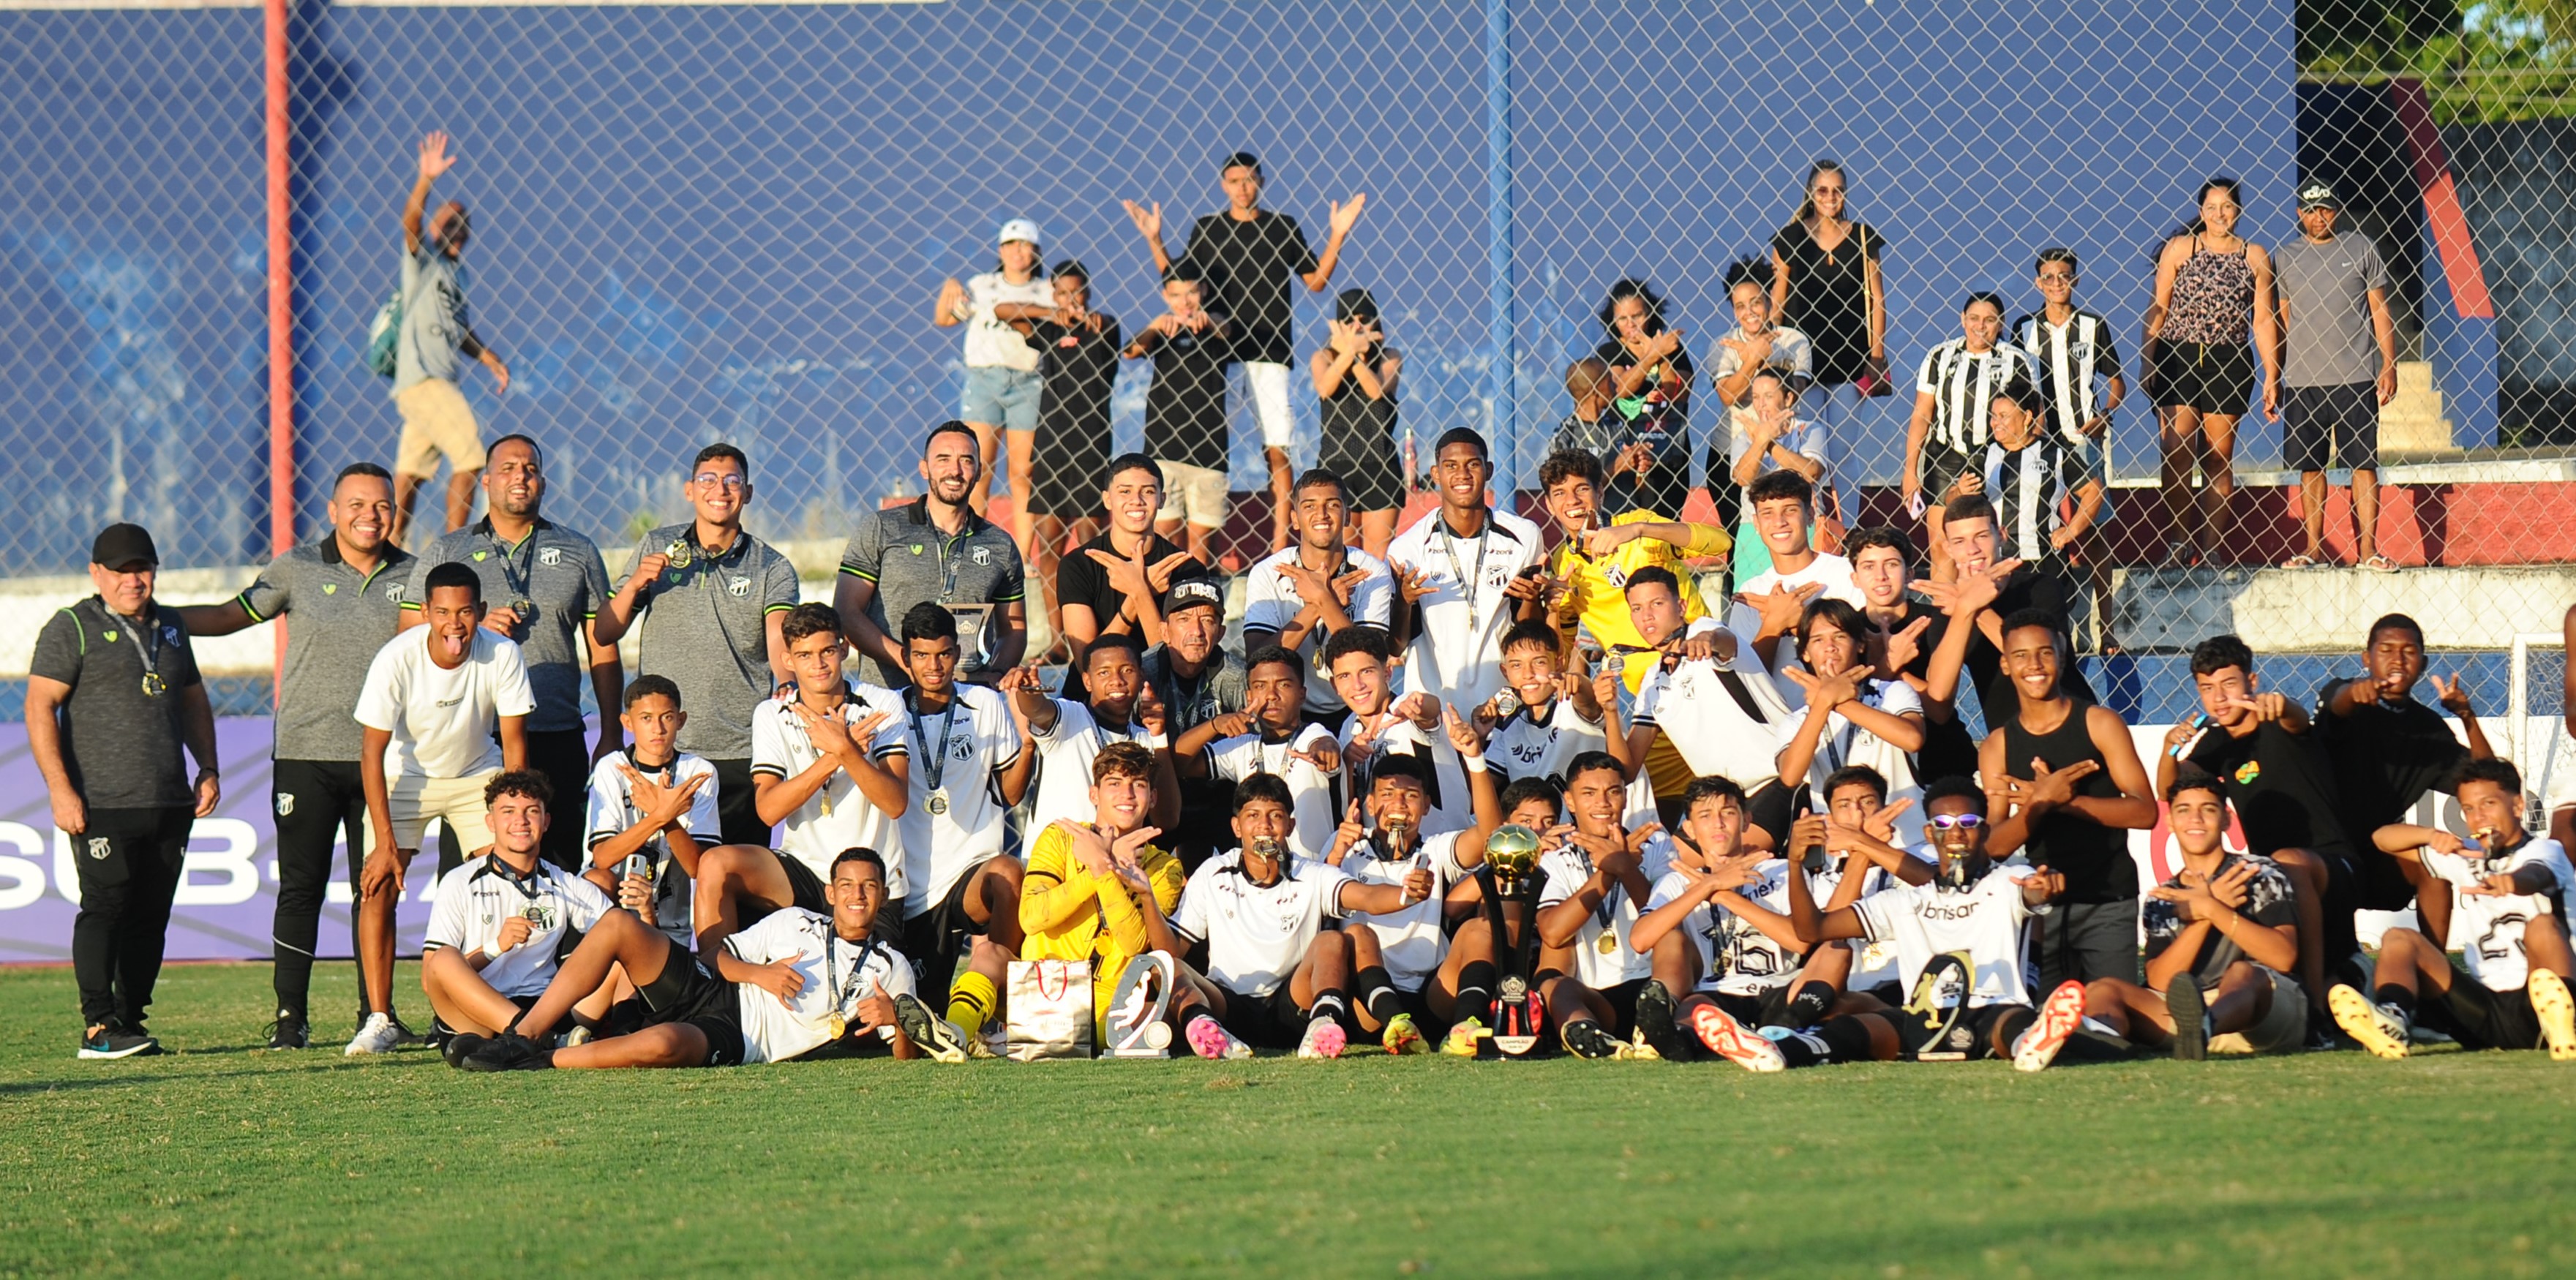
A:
(1511, 871)
(1136, 1028)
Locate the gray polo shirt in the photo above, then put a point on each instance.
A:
(556, 570)
(705, 628)
(433, 318)
(342, 617)
(121, 745)
(910, 560)
(2327, 289)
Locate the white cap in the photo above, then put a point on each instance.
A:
(1021, 229)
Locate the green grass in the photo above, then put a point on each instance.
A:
(223, 1159)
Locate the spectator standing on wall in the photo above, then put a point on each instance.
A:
(1002, 382)
(112, 697)
(1246, 256)
(2211, 285)
(1077, 370)
(2334, 319)
(1650, 386)
(435, 418)
(1826, 281)
(1954, 393)
(1355, 377)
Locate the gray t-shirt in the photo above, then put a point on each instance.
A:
(910, 560)
(706, 629)
(2326, 288)
(122, 746)
(433, 318)
(554, 569)
(342, 617)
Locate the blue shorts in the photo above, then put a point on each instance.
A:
(996, 396)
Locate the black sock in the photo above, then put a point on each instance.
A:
(1330, 1004)
(2396, 997)
(1476, 989)
(1378, 994)
(1808, 1006)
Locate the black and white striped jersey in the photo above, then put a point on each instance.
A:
(1963, 384)
(2075, 359)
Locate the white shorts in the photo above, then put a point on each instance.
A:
(1269, 384)
(455, 802)
(1194, 495)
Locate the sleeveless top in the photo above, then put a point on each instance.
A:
(1829, 297)
(2213, 298)
(1350, 415)
(2093, 858)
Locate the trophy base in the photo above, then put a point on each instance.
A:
(1515, 1046)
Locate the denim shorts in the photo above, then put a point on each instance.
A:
(1002, 397)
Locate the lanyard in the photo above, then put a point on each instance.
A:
(514, 583)
(935, 766)
(843, 988)
(1467, 586)
(667, 777)
(149, 655)
(947, 560)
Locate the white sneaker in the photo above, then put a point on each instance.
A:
(379, 1034)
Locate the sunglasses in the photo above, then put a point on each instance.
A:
(1957, 821)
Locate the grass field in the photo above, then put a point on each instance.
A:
(220, 1158)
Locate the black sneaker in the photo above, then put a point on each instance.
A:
(460, 1045)
(289, 1031)
(2191, 1019)
(2321, 1036)
(1656, 1024)
(116, 1042)
(509, 1051)
(1587, 1038)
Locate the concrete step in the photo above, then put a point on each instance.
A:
(2328, 610)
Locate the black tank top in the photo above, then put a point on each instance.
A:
(2093, 858)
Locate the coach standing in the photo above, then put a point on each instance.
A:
(346, 595)
(936, 550)
(542, 583)
(712, 600)
(112, 696)
(2338, 368)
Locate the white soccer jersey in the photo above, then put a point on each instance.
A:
(1271, 601)
(475, 899)
(2488, 930)
(1736, 957)
(613, 810)
(1457, 657)
(1310, 790)
(975, 739)
(1827, 570)
(1412, 939)
(838, 975)
(1706, 716)
(1602, 958)
(1539, 742)
(1985, 920)
(836, 816)
(1257, 936)
(1065, 753)
(1845, 743)
(1453, 806)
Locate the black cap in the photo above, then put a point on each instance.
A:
(1193, 591)
(121, 545)
(2317, 195)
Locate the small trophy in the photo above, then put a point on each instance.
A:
(1135, 1017)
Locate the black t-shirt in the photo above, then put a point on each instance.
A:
(2384, 755)
(2267, 903)
(2029, 588)
(1185, 405)
(1076, 369)
(1081, 580)
(1245, 268)
(2282, 787)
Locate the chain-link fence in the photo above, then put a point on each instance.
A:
(733, 221)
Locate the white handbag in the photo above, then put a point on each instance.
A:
(1049, 1010)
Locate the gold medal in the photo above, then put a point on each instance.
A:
(1609, 944)
(837, 1025)
(677, 553)
(153, 685)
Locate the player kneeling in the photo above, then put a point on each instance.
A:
(794, 985)
(1276, 977)
(1960, 943)
(501, 922)
(2508, 989)
(2222, 938)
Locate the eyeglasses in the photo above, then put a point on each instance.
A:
(1957, 821)
(2056, 277)
(720, 480)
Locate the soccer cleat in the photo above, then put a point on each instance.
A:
(1587, 1038)
(1465, 1038)
(1402, 1037)
(460, 1046)
(2191, 1019)
(1728, 1039)
(1324, 1038)
(2557, 1011)
(933, 1035)
(112, 1041)
(579, 1035)
(1939, 1001)
(289, 1031)
(1210, 1040)
(1659, 1033)
(979, 1048)
(2059, 1015)
(379, 1035)
(509, 1051)
(2373, 1026)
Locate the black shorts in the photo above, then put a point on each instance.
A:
(1274, 1021)
(1941, 468)
(933, 938)
(1372, 475)
(804, 888)
(1067, 470)
(2212, 378)
(1769, 1009)
(1623, 1006)
(686, 992)
(2330, 428)
(1973, 1036)
(2482, 1019)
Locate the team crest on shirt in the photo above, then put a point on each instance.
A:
(2247, 772)
(330, 588)
(98, 847)
(285, 804)
(983, 555)
(739, 587)
(550, 556)
(393, 592)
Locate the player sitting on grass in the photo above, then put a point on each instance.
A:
(794, 985)
(2508, 989)
(2222, 937)
(1596, 879)
(501, 921)
(1961, 944)
(1408, 969)
(1271, 735)
(1276, 977)
(1554, 716)
(655, 800)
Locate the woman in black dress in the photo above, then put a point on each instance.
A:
(1650, 384)
(1825, 283)
(1355, 378)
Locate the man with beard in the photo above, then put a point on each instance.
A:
(936, 550)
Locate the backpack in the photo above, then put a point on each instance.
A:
(384, 334)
